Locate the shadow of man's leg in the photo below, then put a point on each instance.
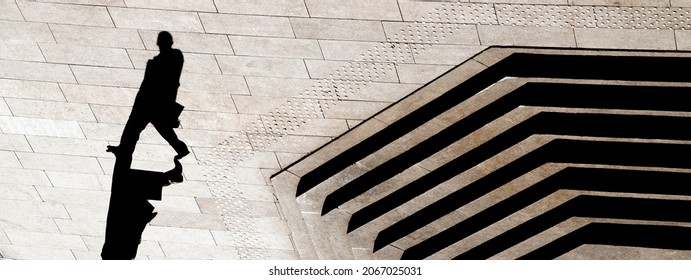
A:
(169, 135)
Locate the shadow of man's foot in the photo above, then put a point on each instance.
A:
(175, 175)
(182, 153)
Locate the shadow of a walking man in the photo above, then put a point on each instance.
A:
(130, 211)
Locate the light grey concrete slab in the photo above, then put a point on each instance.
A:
(24, 177)
(654, 3)
(418, 74)
(190, 42)
(13, 142)
(96, 36)
(66, 14)
(20, 50)
(433, 33)
(197, 251)
(445, 54)
(46, 240)
(680, 3)
(181, 5)
(269, 241)
(683, 39)
(278, 87)
(9, 160)
(216, 121)
(45, 127)
(146, 248)
(74, 196)
(35, 253)
(177, 204)
(250, 25)
(463, 13)
(36, 71)
(4, 109)
(550, 2)
(322, 127)
(115, 3)
(352, 71)
(209, 102)
(155, 19)
(25, 31)
(98, 94)
(336, 29)
(224, 84)
(66, 146)
(178, 235)
(354, 9)
(111, 114)
(276, 47)
(30, 90)
(366, 51)
(96, 56)
(263, 66)
(625, 38)
(188, 220)
(10, 11)
(355, 110)
(60, 162)
(73, 180)
(298, 143)
(53, 110)
(295, 8)
(526, 36)
(81, 228)
(102, 76)
(19, 192)
(96, 213)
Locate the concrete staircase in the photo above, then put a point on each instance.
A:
(516, 153)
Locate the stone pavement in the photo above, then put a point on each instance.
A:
(264, 84)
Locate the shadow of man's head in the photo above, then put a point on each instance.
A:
(165, 41)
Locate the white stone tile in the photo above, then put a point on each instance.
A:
(424, 10)
(386, 92)
(35, 253)
(354, 9)
(680, 3)
(258, 104)
(67, 146)
(206, 138)
(443, 33)
(30, 208)
(626, 39)
(246, 25)
(354, 110)
(446, 54)
(194, 62)
(188, 220)
(73, 180)
(420, 73)
(197, 251)
(337, 29)
(31, 126)
(156, 19)
(102, 76)
(29, 223)
(146, 248)
(110, 3)
(257, 160)
(9, 160)
(4, 109)
(13, 142)
(178, 235)
(216, 121)
(277, 7)
(268, 241)
(278, 87)
(84, 55)
(366, 51)
(654, 3)
(98, 94)
(36, 71)
(298, 144)
(111, 115)
(182, 5)
(97, 213)
(84, 228)
(79, 164)
(3, 238)
(225, 84)
(48, 240)
(276, 47)
(67, 14)
(74, 196)
(96, 36)
(263, 66)
(199, 101)
(551, 2)
(526, 36)
(190, 42)
(360, 71)
(20, 50)
(30, 90)
(156, 166)
(24, 177)
(25, 31)
(9, 10)
(50, 109)
(19, 192)
(188, 189)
